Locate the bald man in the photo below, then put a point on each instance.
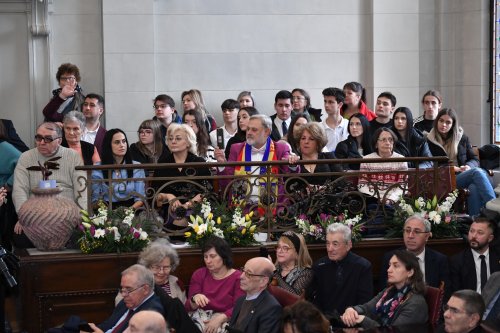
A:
(147, 322)
(258, 311)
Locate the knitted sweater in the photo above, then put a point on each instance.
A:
(66, 176)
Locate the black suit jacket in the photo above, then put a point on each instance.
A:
(175, 314)
(153, 303)
(12, 136)
(463, 269)
(275, 133)
(264, 317)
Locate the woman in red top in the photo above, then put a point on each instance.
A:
(354, 102)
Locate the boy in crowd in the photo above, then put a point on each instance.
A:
(334, 125)
(386, 104)
(230, 109)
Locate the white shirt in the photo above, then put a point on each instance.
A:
(477, 262)
(421, 262)
(227, 136)
(335, 135)
(89, 136)
(278, 122)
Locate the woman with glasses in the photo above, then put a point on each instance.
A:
(214, 289)
(67, 97)
(126, 193)
(386, 187)
(150, 147)
(358, 143)
(293, 263)
(73, 127)
(302, 104)
(401, 303)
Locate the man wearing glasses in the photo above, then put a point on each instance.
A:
(433, 264)
(258, 311)
(48, 145)
(463, 312)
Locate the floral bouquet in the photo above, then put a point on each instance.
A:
(316, 231)
(111, 231)
(223, 220)
(443, 221)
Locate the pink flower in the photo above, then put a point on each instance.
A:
(447, 219)
(92, 230)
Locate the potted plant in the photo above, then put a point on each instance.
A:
(48, 165)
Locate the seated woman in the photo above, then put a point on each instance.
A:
(401, 303)
(246, 98)
(304, 317)
(127, 193)
(302, 105)
(243, 117)
(73, 126)
(290, 137)
(386, 187)
(447, 138)
(411, 142)
(194, 120)
(355, 101)
(293, 263)
(150, 147)
(214, 289)
(193, 100)
(181, 195)
(358, 143)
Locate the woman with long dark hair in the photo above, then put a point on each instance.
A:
(194, 120)
(150, 148)
(355, 101)
(128, 193)
(243, 117)
(358, 143)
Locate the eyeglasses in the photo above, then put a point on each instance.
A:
(453, 310)
(282, 248)
(250, 275)
(126, 292)
(145, 131)
(68, 78)
(297, 98)
(390, 140)
(157, 269)
(46, 139)
(416, 232)
(159, 106)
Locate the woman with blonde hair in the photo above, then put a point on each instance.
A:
(293, 263)
(193, 100)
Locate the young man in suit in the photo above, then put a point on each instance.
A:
(471, 268)
(283, 116)
(258, 311)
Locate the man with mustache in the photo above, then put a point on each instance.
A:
(471, 268)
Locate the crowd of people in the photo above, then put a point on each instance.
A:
(339, 287)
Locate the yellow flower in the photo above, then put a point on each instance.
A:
(250, 214)
(187, 234)
(196, 228)
(219, 220)
(247, 217)
(209, 217)
(243, 231)
(86, 225)
(252, 228)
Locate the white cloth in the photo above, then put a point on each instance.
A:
(335, 135)
(278, 122)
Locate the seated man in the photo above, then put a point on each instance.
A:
(341, 279)
(147, 322)
(463, 312)
(491, 297)
(258, 311)
(137, 289)
(434, 265)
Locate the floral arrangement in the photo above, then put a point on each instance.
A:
(111, 231)
(444, 222)
(223, 220)
(315, 230)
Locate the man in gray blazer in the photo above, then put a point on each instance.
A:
(491, 296)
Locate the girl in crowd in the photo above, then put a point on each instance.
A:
(150, 147)
(243, 117)
(302, 104)
(297, 122)
(354, 102)
(358, 143)
(293, 263)
(432, 103)
(181, 141)
(447, 138)
(73, 126)
(214, 287)
(246, 98)
(128, 193)
(401, 303)
(411, 142)
(193, 100)
(68, 96)
(194, 120)
(386, 184)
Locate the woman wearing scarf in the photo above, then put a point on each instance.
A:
(401, 303)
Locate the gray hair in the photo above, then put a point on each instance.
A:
(144, 275)
(156, 252)
(474, 303)
(340, 228)
(425, 222)
(52, 127)
(264, 119)
(190, 135)
(75, 116)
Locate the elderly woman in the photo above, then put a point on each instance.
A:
(302, 104)
(68, 96)
(293, 263)
(73, 126)
(401, 303)
(383, 184)
(128, 193)
(215, 287)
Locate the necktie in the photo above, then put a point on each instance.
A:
(284, 128)
(121, 326)
(484, 274)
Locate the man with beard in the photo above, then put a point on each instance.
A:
(471, 268)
